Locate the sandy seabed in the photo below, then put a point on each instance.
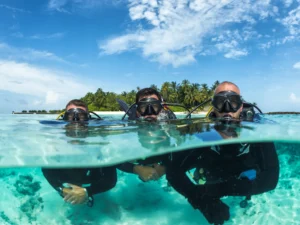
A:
(133, 202)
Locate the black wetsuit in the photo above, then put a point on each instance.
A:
(95, 180)
(222, 176)
(128, 166)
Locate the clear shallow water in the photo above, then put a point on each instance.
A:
(25, 142)
(38, 140)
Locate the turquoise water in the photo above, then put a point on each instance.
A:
(28, 142)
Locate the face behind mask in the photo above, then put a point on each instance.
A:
(227, 101)
(76, 115)
(149, 106)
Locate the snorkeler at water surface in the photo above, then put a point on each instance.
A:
(205, 175)
(149, 107)
(78, 185)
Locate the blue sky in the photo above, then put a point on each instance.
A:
(57, 50)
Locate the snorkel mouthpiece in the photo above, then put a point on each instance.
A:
(227, 117)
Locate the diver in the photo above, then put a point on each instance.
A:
(78, 185)
(205, 175)
(148, 107)
(76, 110)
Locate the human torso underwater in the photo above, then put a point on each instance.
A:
(217, 164)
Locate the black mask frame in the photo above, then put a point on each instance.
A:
(227, 101)
(76, 114)
(149, 106)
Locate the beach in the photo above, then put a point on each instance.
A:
(122, 112)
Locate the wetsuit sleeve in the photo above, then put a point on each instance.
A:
(267, 164)
(126, 167)
(267, 177)
(213, 209)
(103, 179)
(53, 177)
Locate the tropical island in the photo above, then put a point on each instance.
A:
(185, 93)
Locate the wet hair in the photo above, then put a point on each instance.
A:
(146, 92)
(77, 102)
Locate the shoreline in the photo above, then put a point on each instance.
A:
(103, 112)
(122, 112)
(176, 113)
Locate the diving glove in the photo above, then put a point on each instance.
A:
(214, 210)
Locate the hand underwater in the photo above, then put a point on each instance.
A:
(161, 170)
(146, 173)
(75, 194)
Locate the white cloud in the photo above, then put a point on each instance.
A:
(70, 6)
(297, 65)
(14, 9)
(294, 98)
(180, 28)
(10, 52)
(292, 21)
(52, 97)
(50, 88)
(287, 3)
(48, 36)
(236, 53)
(265, 46)
(58, 5)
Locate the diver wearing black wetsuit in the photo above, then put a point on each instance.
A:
(204, 175)
(148, 107)
(94, 180)
(78, 185)
(217, 174)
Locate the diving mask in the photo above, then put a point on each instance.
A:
(76, 114)
(149, 106)
(227, 101)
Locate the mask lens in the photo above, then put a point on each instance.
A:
(235, 101)
(68, 116)
(83, 116)
(157, 108)
(142, 108)
(218, 102)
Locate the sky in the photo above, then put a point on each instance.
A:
(57, 50)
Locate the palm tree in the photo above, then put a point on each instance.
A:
(88, 98)
(174, 86)
(215, 85)
(165, 90)
(154, 86)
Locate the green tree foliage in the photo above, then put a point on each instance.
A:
(185, 93)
